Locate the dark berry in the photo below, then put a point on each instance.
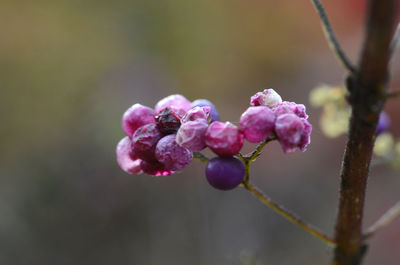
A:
(168, 121)
(144, 141)
(155, 168)
(225, 173)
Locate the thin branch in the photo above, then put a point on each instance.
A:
(332, 40)
(288, 215)
(385, 220)
(395, 41)
(200, 157)
(253, 155)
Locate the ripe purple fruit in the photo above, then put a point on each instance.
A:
(225, 173)
(173, 156)
(167, 121)
(135, 117)
(204, 103)
(144, 141)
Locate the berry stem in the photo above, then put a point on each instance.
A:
(253, 155)
(385, 220)
(200, 157)
(331, 38)
(287, 214)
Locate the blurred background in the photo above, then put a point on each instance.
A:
(70, 68)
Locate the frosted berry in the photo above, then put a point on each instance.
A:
(191, 135)
(173, 156)
(125, 159)
(383, 123)
(197, 113)
(167, 121)
(268, 98)
(292, 132)
(136, 116)
(225, 173)
(290, 107)
(204, 102)
(144, 141)
(224, 139)
(257, 123)
(155, 168)
(178, 103)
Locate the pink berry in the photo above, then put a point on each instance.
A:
(292, 132)
(167, 121)
(191, 135)
(135, 117)
(197, 113)
(144, 141)
(268, 98)
(176, 102)
(155, 168)
(173, 156)
(290, 107)
(257, 123)
(125, 159)
(224, 139)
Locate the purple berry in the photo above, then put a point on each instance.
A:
(224, 139)
(126, 160)
(383, 123)
(203, 103)
(144, 141)
(191, 135)
(155, 168)
(197, 113)
(292, 132)
(225, 173)
(178, 103)
(290, 107)
(135, 117)
(268, 98)
(257, 123)
(173, 156)
(167, 121)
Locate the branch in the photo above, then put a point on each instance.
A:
(331, 38)
(385, 220)
(395, 41)
(287, 214)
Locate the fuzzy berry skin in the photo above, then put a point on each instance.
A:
(173, 156)
(178, 103)
(225, 173)
(257, 123)
(292, 132)
(383, 123)
(191, 135)
(224, 139)
(167, 121)
(155, 168)
(204, 103)
(290, 107)
(135, 117)
(126, 160)
(144, 141)
(268, 98)
(197, 113)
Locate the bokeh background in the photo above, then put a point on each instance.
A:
(70, 68)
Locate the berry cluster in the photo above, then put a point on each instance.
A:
(161, 141)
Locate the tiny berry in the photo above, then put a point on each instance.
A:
(225, 173)
(290, 107)
(191, 135)
(196, 113)
(268, 98)
(173, 156)
(224, 139)
(383, 123)
(167, 121)
(155, 168)
(136, 116)
(257, 123)
(178, 103)
(206, 103)
(293, 132)
(144, 141)
(126, 160)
